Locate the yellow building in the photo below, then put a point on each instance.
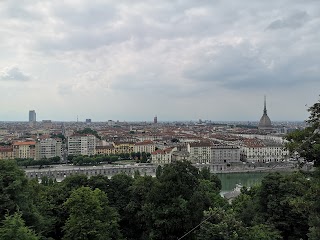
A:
(24, 149)
(123, 147)
(105, 150)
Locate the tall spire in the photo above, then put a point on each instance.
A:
(265, 105)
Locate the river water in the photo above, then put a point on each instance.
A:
(229, 180)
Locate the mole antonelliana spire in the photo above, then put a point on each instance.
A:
(265, 122)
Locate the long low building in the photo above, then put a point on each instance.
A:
(256, 150)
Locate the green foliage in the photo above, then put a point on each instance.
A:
(281, 203)
(262, 232)
(41, 162)
(177, 201)
(13, 188)
(221, 225)
(307, 141)
(13, 228)
(313, 196)
(90, 216)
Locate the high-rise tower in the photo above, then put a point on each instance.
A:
(32, 116)
(265, 122)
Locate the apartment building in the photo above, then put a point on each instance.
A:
(225, 154)
(200, 152)
(123, 147)
(80, 144)
(256, 150)
(6, 153)
(163, 156)
(145, 146)
(48, 148)
(24, 150)
(105, 150)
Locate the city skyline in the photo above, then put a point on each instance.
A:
(181, 61)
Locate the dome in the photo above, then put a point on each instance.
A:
(265, 122)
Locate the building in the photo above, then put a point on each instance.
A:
(200, 152)
(105, 150)
(155, 120)
(178, 156)
(6, 153)
(32, 116)
(48, 148)
(47, 124)
(265, 122)
(256, 150)
(123, 147)
(24, 150)
(225, 154)
(145, 146)
(81, 144)
(163, 156)
(88, 120)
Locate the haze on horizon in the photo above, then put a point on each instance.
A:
(179, 60)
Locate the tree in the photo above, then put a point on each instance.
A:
(313, 196)
(13, 188)
(306, 142)
(223, 224)
(90, 216)
(220, 224)
(14, 228)
(281, 203)
(176, 202)
(262, 232)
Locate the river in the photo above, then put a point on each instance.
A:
(229, 180)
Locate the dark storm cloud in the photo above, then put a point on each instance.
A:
(13, 74)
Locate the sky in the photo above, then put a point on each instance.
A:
(177, 59)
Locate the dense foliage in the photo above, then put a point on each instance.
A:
(181, 198)
(306, 142)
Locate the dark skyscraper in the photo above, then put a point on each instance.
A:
(32, 116)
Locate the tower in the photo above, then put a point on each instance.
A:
(265, 122)
(32, 116)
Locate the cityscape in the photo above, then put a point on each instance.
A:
(159, 120)
(221, 146)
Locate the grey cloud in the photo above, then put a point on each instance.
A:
(13, 74)
(295, 20)
(242, 68)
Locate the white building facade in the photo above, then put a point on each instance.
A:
(145, 146)
(200, 152)
(48, 148)
(263, 151)
(225, 154)
(162, 157)
(81, 145)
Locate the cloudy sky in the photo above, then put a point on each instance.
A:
(177, 59)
